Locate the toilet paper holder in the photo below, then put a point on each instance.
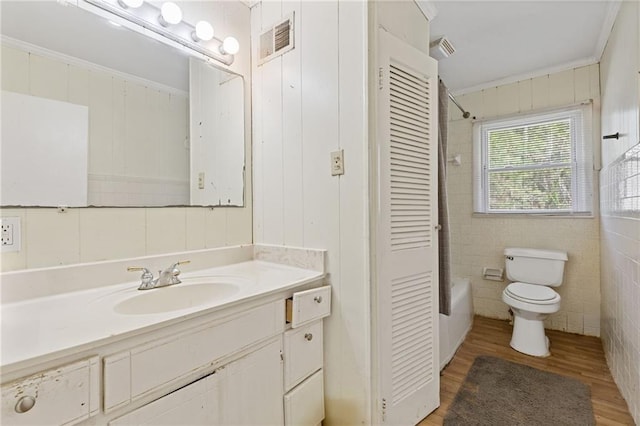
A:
(493, 274)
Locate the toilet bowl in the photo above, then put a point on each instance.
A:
(531, 304)
(530, 297)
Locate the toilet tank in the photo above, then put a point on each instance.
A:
(534, 266)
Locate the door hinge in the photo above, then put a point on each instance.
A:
(380, 78)
(384, 410)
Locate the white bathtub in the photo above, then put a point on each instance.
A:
(454, 328)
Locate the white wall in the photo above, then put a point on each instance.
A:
(307, 103)
(620, 205)
(480, 241)
(50, 238)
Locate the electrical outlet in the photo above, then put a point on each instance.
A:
(201, 180)
(6, 237)
(337, 163)
(10, 234)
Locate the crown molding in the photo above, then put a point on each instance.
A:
(528, 75)
(428, 9)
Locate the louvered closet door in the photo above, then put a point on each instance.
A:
(406, 240)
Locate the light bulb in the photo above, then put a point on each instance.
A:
(230, 46)
(204, 31)
(130, 3)
(170, 13)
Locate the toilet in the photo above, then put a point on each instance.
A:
(532, 273)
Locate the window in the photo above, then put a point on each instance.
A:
(538, 163)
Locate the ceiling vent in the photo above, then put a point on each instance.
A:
(276, 40)
(441, 48)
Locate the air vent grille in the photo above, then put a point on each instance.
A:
(276, 40)
(282, 37)
(447, 46)
(441, 48)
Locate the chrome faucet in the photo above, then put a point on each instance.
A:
(168, 276)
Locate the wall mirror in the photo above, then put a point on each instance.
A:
(101, 115)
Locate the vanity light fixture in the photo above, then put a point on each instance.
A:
(170, 14)
(203, 31)
(167, 22)
(130, 3)
(230, 46)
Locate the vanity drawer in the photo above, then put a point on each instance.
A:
(302, 353)
(304, 405)
(307, 306)
(61, 396)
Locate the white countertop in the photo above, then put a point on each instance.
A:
(51, 326)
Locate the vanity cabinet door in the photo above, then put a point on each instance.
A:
(253, 388)
(247, 391)
(195, 404)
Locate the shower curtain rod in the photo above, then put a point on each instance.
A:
(465, 114)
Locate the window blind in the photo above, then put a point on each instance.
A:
(538, 163)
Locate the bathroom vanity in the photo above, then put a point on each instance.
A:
(237, 343)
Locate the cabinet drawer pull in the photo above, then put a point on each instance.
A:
(318, 299)
(308, 336)
(25, 404)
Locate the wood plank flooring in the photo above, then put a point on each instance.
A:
(572, 355)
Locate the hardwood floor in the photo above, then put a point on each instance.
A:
(572, 355)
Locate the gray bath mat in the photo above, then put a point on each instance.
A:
(498, 392)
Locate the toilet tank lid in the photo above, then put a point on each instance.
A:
(537, 253)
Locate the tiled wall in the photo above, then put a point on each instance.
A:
(50, 238)
(620, 205)
(480, 241)
(620, 242)
(127, 191)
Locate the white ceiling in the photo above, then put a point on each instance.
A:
(498, 42)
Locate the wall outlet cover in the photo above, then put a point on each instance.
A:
(9, 234)
(337, 162)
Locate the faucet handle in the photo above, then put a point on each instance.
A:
(147, 275)
(174, 268)
(146, 280)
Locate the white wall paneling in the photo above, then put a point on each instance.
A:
(292, 148)
(272, 143)
(354, 217)
(307, 103)
(256, 129)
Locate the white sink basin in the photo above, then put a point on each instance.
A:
(175, 297)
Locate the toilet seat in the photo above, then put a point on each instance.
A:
(535, 294)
